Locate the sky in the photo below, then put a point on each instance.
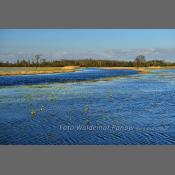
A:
(115, 44)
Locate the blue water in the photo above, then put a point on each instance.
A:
(81, 75)
(132, 109)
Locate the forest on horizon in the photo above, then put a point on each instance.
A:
(38, 61)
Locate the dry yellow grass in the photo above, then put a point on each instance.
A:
(33, 70)
(142, 70)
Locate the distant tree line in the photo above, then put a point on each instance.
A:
(139, 61)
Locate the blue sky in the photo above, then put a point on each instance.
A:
(120, 44)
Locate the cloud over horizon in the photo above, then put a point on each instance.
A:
(110, 54)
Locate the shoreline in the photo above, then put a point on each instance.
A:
(66, 69)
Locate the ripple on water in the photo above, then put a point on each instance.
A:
(142, 110)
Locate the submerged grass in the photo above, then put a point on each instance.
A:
(38, 86)
(86, 108)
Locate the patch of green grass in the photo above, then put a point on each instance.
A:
(33, 113)
(86, 108)
(42, 109)
(87, 121)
